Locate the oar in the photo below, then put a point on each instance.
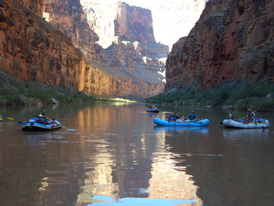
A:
(10, 118)
(61, 125)
(64, 127)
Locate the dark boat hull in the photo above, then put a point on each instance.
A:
(40, 127)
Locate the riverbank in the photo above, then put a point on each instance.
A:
(15, 92)
(232, 94)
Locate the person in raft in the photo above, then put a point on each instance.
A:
(250, 115)
(42, 117)
(231, 115)
(192, 116)
(174, 117)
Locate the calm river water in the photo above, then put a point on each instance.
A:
(113, 154)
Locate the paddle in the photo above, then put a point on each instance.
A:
(10, 118)
(68, 129)
(61, 125)
(64, 127)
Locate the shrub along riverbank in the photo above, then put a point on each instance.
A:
(235, 94)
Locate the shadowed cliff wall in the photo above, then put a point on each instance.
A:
(231, 40)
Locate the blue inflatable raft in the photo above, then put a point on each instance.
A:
(179, 122)
(41, 124)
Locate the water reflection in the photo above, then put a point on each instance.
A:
(116, 155)
(98, 200)
(131, 163)
(43, 138)
(168, 182)
(173, 130)
(248, 135)
(169, 179)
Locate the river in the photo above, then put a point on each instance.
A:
(111, 153)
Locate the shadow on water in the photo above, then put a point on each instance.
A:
(191, 132)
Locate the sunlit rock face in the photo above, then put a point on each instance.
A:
(126, 34)
(115, 18)
(68, 16)
(63, 51)
(98, 22)
(33, 50)
(231, 40)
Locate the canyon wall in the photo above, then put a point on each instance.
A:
(231, 40)
(68, 16)
(126, 33)
(63, 50)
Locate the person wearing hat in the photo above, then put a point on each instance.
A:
(43, 114)
(250, 115)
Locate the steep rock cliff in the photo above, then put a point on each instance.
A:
(68, 16)
(231, 40)
(35, 6)
(33, 49)
(126, 33)
(112, 22)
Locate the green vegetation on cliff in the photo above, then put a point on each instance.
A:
(237, 94)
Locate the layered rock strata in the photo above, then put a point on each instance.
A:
(231, 40)
(126, 34)
(69, 17)
(64, 52)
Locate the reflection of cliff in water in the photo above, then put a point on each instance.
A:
(127, 162)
